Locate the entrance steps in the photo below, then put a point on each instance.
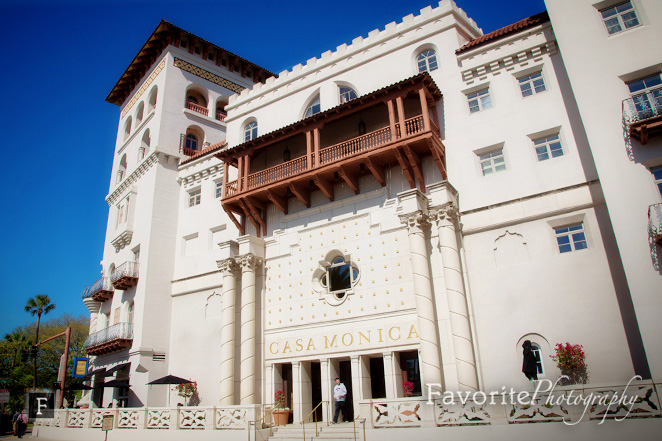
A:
(294, 432)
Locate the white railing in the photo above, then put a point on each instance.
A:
(127, 269)
(103, 284)
(643, 106)
(119, 331)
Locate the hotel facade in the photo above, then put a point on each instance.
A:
(407, 208)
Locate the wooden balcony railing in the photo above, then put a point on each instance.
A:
(113, 338)
(197, 108)
(101, 290)
(329, 155)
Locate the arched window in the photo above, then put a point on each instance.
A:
(192, 99)
(346, 94)
(121, 171)
(144, 145)
(191, 141)
(250, 131)
(139, 113)
(427, 60)
(152, 98)
(220, 109)
(313, 108)
(127, 128)
(196, 101)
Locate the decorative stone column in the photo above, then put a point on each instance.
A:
(228, 269)
(446, 218)
(429, 355)
(248, 263)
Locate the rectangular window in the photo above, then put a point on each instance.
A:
(479, 101)
(492, 162)
(531, 84)
(647, 96)
(549, 147)
(657, 174)
(620, 17)
(194, 198)
(219, 189)
(571, 238)
(116, 316)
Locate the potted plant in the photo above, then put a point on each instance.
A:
(571, 360)
(408, 387)
(187, 390)
(281, 413)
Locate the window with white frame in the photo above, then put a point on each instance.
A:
(549, 147)
(620, 17)
(313, 108)
(347, 94)
(427, 61)
(532, 84)
(479, 100)
(657, 175)
(219, 189)
(194, 197)
(571, 238)
(647, 96)
(492, 161)
(250, 131)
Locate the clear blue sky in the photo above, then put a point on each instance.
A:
(61, 58)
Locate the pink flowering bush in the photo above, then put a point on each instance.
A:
(187, 390)
(279, 398)
(571, 359)
(408, 387)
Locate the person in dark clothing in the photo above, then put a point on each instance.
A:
(530, 362)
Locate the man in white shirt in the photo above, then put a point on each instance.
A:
(339, 393)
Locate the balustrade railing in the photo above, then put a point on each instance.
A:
(220, 116)
(643, 106)
(127, 269)
(277, 172)
(103, 284)
(355, 145)
(197, 108)
(119, 331)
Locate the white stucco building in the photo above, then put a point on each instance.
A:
(409, 207)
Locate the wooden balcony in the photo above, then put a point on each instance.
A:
(397, 139)
(100, 291)
(125, 275)
(113, 338)
(197, 108)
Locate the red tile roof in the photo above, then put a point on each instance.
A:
(503, 32)
(204, 152)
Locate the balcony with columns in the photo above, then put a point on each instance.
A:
(392, 127)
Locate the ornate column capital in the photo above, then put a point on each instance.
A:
(415, 221)
(249, 262)
(445, 214)
(227, 266)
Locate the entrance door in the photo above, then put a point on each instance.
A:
(345, 368)
(316, 388)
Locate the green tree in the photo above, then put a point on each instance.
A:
(18, 341)
(38, 305)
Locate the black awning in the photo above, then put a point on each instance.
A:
(88, 376)
(112, 370)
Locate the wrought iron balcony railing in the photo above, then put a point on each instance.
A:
(655, 222)
(100, 290)
(112, 338)
(125, 275)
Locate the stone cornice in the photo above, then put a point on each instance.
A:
(214, 171)
(144, 166)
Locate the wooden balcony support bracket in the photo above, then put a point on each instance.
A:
(191, 45)
(301, 193)
(415, 162)
(278, 200)
(249, 215)
(254, 206)
(350, 176)
(438, 155)
(240, 225)
(325, 185)
(377, 170)
(406, 169)
(644, 134)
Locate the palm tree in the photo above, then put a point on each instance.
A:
(18, 341)
(38, 305)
